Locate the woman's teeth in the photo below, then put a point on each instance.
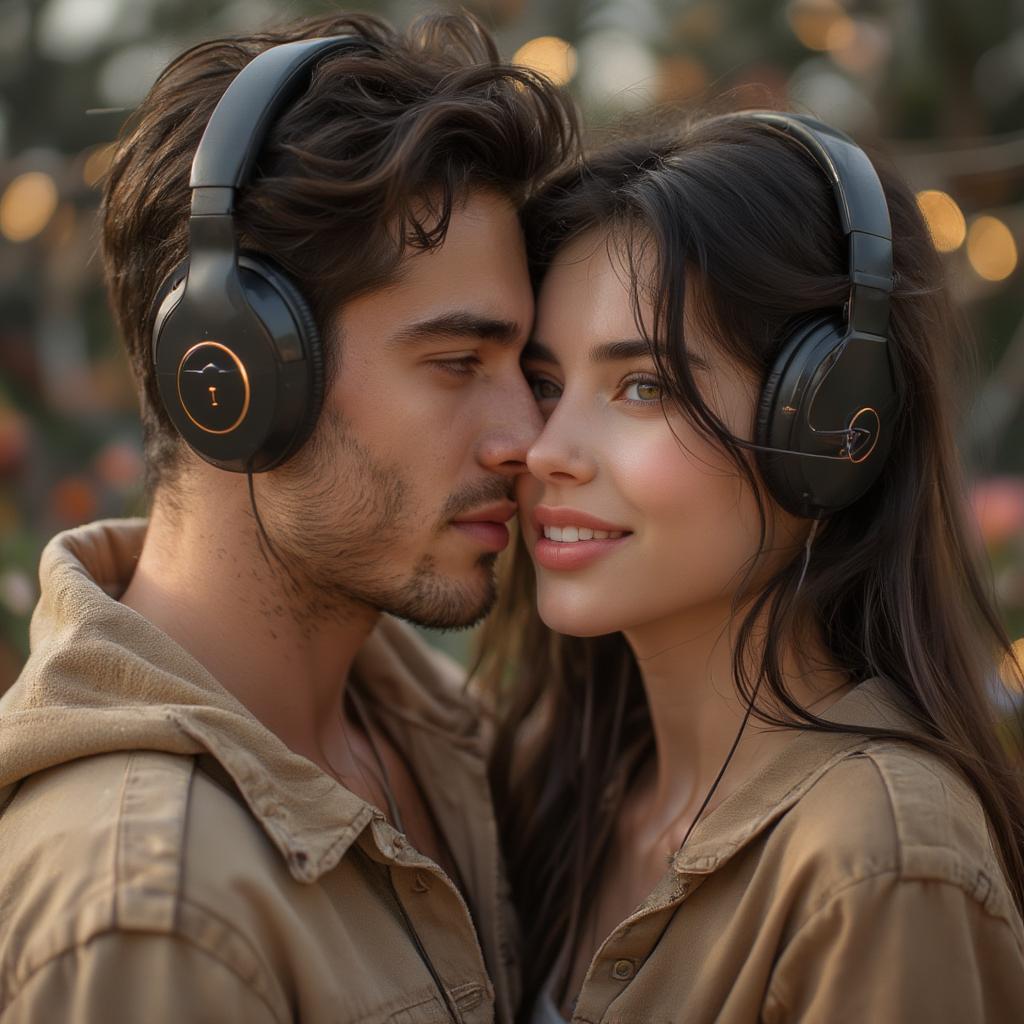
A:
(571, 534)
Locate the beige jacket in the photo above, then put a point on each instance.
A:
(851, 882)
(164, 857)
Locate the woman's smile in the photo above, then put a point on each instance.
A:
(568, 538)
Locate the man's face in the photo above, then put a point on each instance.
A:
(399, 499)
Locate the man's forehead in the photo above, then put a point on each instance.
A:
(473, 284)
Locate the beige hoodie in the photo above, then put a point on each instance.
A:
(163, 856)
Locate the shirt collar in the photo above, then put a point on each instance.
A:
(762, 800)
(103, 678)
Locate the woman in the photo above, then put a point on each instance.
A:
(748, 764)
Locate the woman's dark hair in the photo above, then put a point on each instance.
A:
(895, 587)
(368, 163)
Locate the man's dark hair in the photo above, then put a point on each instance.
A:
(367, 164)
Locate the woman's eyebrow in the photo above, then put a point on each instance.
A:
(638, 348)
(615, 351)
(609, 352)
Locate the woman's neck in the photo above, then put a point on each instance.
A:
(686, 663)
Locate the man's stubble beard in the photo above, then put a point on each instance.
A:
(336, 514)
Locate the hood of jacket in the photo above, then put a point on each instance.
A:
(102, 678)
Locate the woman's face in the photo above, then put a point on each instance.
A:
(632, 518)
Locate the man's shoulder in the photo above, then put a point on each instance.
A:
(103, 849)
(114, 842)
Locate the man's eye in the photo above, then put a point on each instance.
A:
(544, 389)
(643, 390)
(463, 366)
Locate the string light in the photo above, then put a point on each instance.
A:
(944, 218)
(552, 57)
(991, 250)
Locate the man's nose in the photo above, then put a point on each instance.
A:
(515, 423)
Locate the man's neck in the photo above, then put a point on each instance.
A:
(203, 579)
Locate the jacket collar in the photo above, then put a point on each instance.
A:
(102, 678)
(762, 800)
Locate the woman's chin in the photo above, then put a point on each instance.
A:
(571, 619)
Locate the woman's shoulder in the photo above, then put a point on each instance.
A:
(890, 901)
(892, 811)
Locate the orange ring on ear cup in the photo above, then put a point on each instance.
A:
(875, 434)
(245, 384)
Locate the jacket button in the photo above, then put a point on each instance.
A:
(623, 970)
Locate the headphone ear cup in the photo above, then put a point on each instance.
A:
(777, 414)
(257, 358)
(307, 332)
(167, 297)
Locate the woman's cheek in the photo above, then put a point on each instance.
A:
(695, 516)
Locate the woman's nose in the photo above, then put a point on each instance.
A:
(560, 454)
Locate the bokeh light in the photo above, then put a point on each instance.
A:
(28, 203)
(551, 56)
(73, 501)
(944, 218)
(1012, 670)
(820, 24)
(991, 250)
(861, 47)
(97, 163)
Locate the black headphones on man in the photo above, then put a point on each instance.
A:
(239, 360)
(238, 357)
(830, 395)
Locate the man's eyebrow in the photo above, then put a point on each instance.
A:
(458, 324)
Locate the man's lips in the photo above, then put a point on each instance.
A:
(486, 525)
(496, 512)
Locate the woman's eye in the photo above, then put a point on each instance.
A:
(642, 390)
(544, 389)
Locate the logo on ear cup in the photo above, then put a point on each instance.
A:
(862, 434)
(213, 387)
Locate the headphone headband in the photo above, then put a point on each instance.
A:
(863, 213)
(823, 424)
(242, 117)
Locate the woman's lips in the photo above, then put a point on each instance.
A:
(553, 554)
(562, 516)
(576, 538)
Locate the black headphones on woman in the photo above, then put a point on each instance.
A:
(238, 358)
(830, 396)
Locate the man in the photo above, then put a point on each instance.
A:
(230, 787)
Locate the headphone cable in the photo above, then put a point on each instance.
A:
(750, 702)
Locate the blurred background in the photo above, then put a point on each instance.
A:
(938, 83)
